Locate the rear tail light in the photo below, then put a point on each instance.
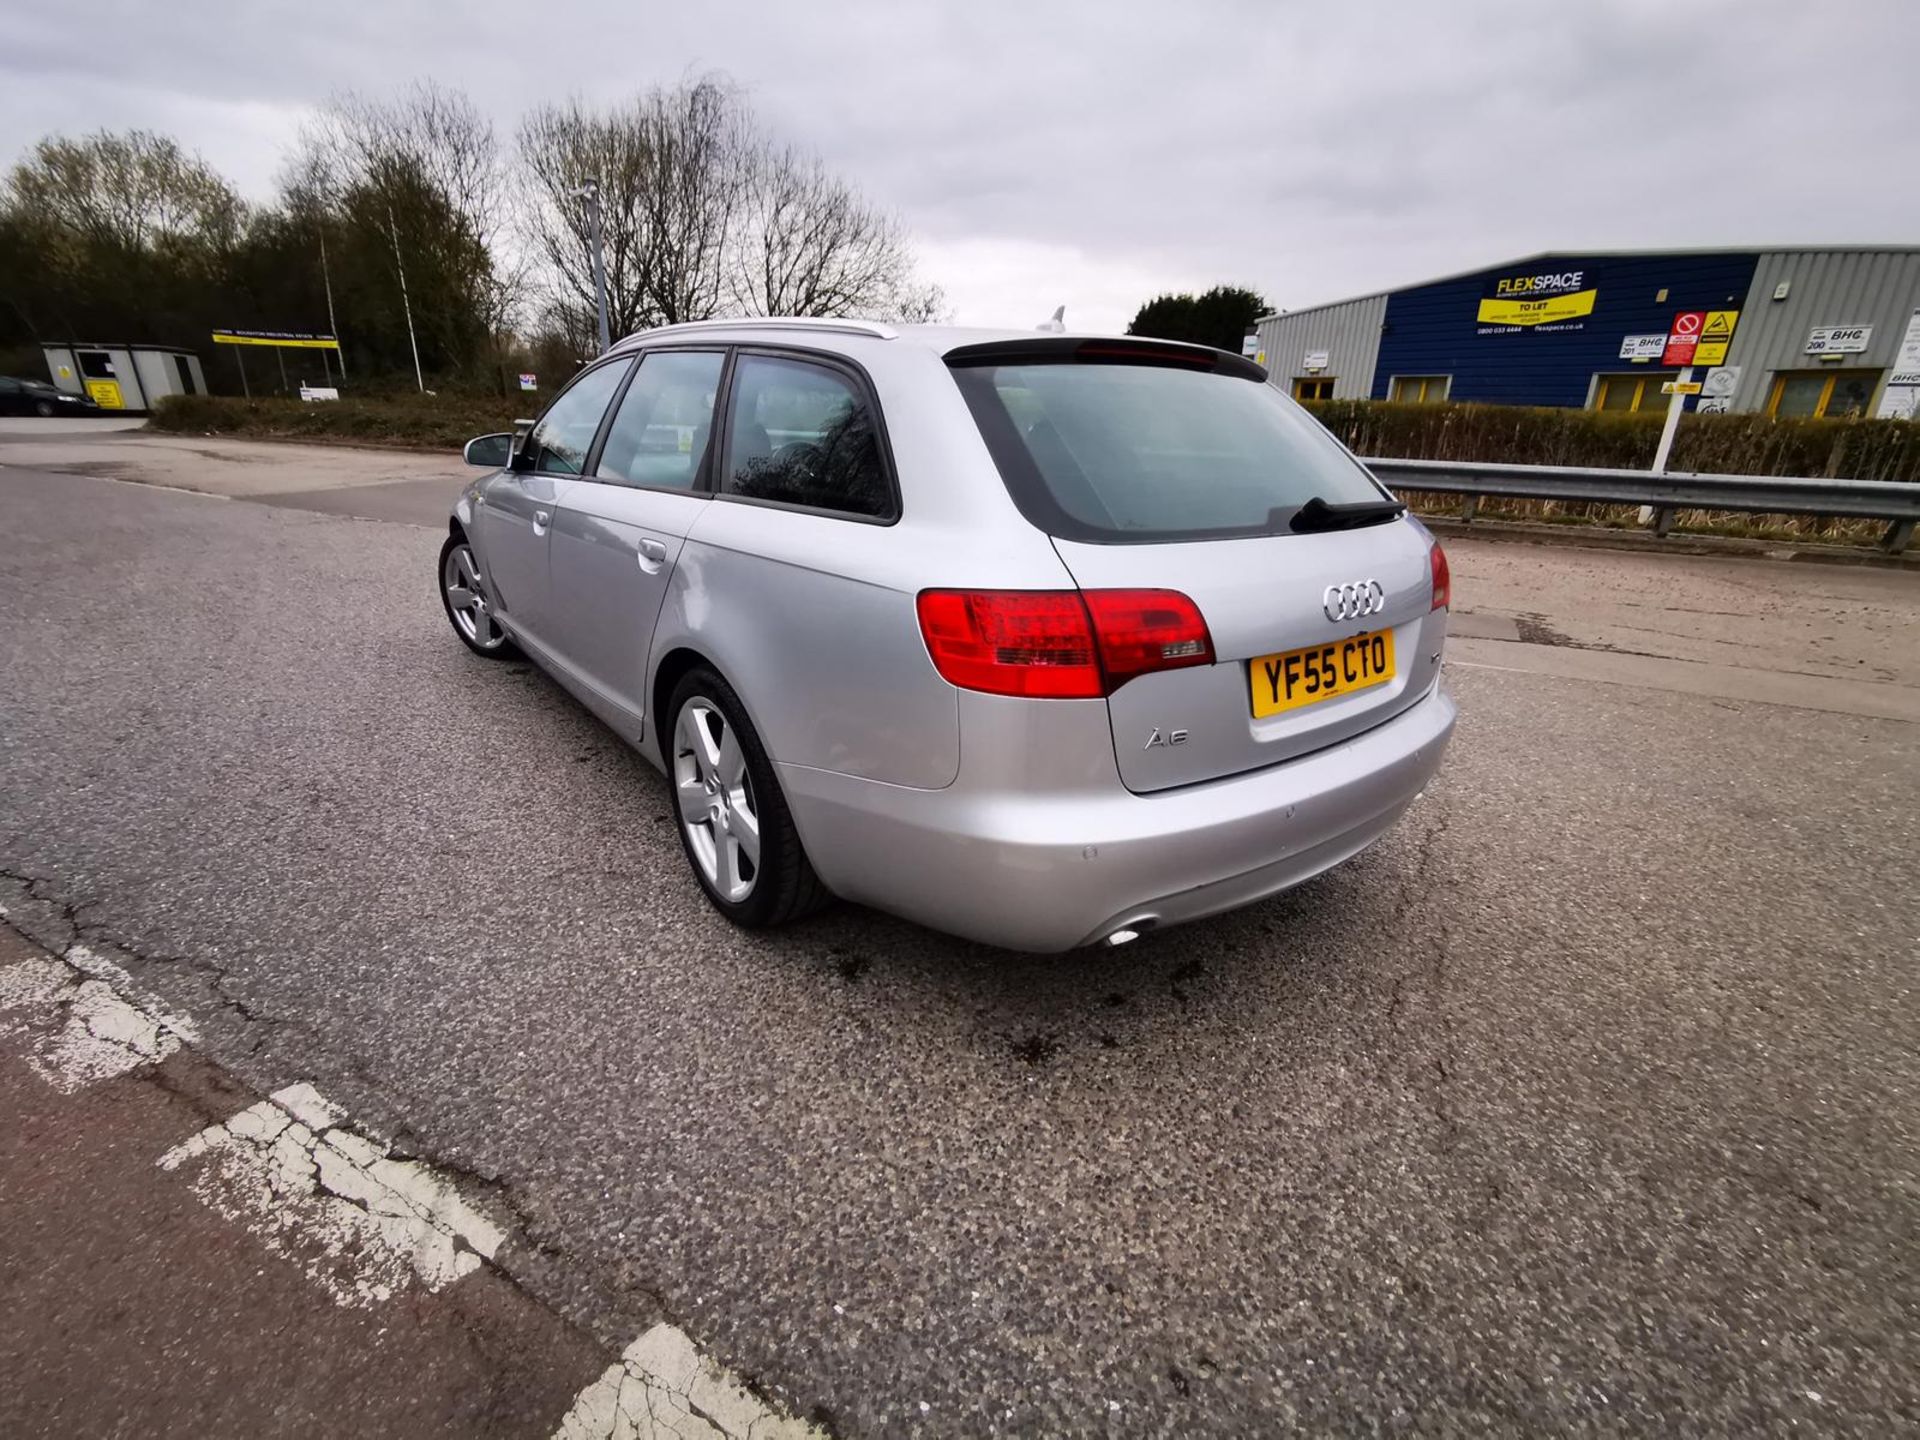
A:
(1059, 644)
(1442, 580)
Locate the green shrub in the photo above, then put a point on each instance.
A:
(1710, 444)
(420, 422)
(1707, 444)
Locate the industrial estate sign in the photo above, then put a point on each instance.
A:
(1838, 339)
(1643, 347)
(292, 339)
(1314, 361)
(1527, 300)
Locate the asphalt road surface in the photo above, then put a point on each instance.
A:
(1586, 1100)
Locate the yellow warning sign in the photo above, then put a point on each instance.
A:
(1680, 387)
(106, 394)
(1715, 336)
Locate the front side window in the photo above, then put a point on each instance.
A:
(1115, 452)
(661, 431)
(560, 442)
(804, 434)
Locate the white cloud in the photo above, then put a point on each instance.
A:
(1101, 151)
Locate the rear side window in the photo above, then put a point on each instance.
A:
(1119, 452)
(660, 434)
(560, 442)
(805, 434)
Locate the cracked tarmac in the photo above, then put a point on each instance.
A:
(1585, 1100)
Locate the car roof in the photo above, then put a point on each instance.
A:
(940, 339)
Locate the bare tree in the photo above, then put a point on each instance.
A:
(433, 131)
(668, 171)
(703, 215)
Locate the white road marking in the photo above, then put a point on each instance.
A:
(363, 1225)
(88, 1030)
(664, 1387)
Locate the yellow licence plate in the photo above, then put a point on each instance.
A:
(1301, 677)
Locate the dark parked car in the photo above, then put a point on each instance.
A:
(37, 397)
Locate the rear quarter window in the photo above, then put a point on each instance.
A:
(1143, 452)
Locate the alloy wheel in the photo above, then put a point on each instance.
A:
(467, 602)
(715, 796)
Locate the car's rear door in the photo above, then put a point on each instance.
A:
(513, 511)
(619, 529)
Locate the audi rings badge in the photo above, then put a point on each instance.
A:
(1351, 602)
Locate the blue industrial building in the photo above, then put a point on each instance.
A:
(1790, 332)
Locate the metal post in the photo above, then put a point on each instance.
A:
(394, 232)
(326, 278)
(245, 389)
(1676, 403)
(281, 355)
(590, 192)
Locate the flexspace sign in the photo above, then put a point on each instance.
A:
(1546, 299)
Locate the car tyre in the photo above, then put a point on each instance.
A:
(43, 408)
(734, 824)
(469, 611)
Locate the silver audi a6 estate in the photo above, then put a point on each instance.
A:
(1044, 640)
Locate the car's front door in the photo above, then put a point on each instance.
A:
(618, 531)
(514, 510)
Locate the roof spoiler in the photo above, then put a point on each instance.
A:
(1117, 350)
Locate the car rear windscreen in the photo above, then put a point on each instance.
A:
(1127, 451)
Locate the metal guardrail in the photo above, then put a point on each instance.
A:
(1896, 502)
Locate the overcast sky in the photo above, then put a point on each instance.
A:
(1092, 155)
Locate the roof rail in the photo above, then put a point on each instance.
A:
(871, 328)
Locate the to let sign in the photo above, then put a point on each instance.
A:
(1683, 337)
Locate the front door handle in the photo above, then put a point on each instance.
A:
(652, 556)
(540, 519)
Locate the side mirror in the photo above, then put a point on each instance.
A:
(489, 452)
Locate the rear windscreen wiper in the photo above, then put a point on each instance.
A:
(1317, 514)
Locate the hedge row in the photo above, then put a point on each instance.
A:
(1711, 444)
(1520, 435)
(424, 422)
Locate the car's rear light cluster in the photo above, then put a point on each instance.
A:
(1442, 580)
(1060, 644)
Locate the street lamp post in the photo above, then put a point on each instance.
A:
(590, 192)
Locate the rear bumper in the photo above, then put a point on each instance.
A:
(1046, 870)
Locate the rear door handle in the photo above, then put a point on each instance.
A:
(653, 555)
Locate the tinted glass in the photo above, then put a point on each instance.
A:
(1852, 392)
(804, 434)
(1144, 452)
(660, 434)
(9, 387)
(96, 365)
(560, 442)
